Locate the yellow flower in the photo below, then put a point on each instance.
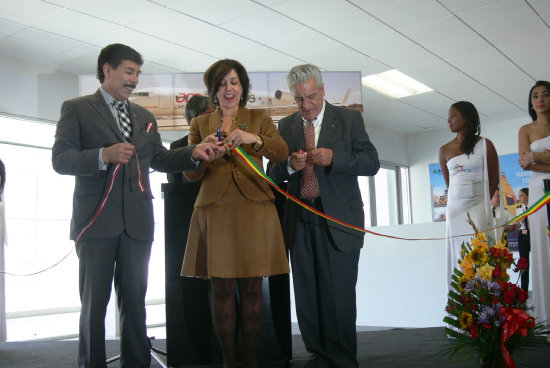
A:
(501, 244)
(465, 320)
(480, 241)
(462, 283)
(478, 255)
(467, 268)
(485, 272)
(482, 237)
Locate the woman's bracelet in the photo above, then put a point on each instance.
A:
(532, 159)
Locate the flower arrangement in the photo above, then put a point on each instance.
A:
(486, 312)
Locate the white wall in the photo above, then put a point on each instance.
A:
(391, 146)
(33, 90)
(402, 283)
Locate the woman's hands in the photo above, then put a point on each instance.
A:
(238, 137)
(525, 159)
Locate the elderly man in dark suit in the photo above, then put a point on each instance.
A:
(109, 144)
(329, 149)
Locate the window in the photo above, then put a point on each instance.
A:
(389, 196)
(38, 211)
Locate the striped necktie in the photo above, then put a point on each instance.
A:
(123, 120)
(309, 178)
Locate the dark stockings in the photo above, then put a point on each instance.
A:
(224, 317)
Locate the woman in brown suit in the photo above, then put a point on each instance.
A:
(235, 236)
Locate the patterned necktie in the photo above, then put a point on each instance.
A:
(309, 178)
(123, 120)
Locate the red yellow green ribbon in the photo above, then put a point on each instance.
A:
(532, 209)
(244, 156)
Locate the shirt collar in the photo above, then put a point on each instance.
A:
(108, 98)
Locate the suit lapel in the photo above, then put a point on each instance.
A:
(214, 120)
(329, 126)
(138, 121)
(98, 104)
(297, 132)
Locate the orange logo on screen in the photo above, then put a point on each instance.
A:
(184, 97)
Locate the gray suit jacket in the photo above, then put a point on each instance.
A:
(86, 124)
(343, 131)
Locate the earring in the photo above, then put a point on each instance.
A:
(215, 101)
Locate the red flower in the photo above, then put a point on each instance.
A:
(473, 331)
(522, 295)
(509, 296)
(497, 271)
(523, 264)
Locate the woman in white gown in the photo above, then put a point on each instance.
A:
(3, 334)
(469, 164)
(533, 148)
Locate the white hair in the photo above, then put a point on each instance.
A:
(301, 73)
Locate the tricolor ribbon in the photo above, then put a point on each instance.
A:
(516, 321)
(532, 209)
(244, 156)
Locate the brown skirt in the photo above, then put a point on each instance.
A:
(235, 238)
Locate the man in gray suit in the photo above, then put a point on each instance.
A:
(109, 144)
(329, 149)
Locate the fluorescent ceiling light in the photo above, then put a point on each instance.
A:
(395, 84)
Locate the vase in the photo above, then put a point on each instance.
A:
(492, 363)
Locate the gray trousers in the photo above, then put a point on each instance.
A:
(126, 261)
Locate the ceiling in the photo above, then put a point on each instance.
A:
(485, 51)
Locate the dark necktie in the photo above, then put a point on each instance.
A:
(526, 219)
(309, 179)
(123, 120)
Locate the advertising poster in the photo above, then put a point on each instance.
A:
(166, 95)
(512, 179)
(439, 193)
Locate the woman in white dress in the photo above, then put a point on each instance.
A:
(3, 334)
(469, 164)
(533, 148)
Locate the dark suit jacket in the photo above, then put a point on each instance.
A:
(177, 177)
(86, 124)
(343, 131)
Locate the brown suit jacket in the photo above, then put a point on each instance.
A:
(217, 174)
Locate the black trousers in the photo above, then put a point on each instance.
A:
(324, 287)
(524, 245)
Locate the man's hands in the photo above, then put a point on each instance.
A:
(119, 153)
(319, 156)
(208, 151)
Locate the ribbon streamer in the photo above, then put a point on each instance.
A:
(244, 156)
(516, 322)
(99, 210)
